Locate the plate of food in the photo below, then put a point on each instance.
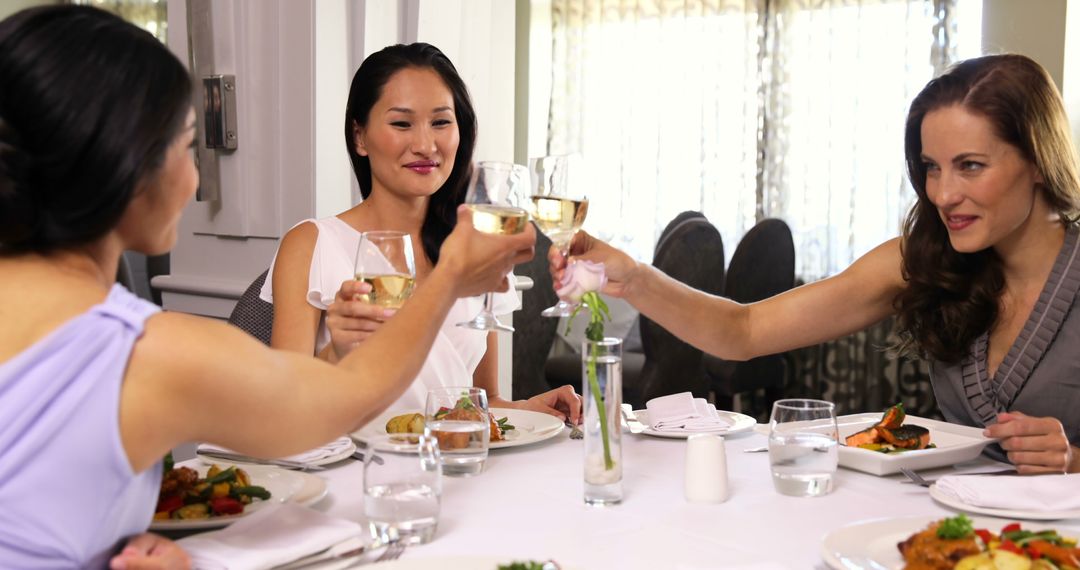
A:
(338, 450)
(509, 427)
(736, 423)
(198, 496)
(880, 444)
(960, 543)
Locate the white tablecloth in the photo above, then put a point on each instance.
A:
(528, 505)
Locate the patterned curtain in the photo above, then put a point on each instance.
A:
(747, 109)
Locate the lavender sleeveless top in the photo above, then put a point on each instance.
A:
(1040, 375)
(68, 496)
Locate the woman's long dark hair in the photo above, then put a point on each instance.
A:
(367, 87)
(951, 298)
(89, 105)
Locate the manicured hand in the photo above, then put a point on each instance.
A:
(619, 267)
(351, 318)
(477, 262)
(562, 402)
(1034, 445)
(150, 552)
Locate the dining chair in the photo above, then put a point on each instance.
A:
(690, 250)
(533, 334)
(253, 315)
(763, 265)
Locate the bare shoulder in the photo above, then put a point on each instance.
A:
(300, 238)
(880, 267)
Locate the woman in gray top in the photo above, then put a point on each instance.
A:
(982, 280)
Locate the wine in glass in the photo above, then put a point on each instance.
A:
(384, 260)
(495, 198)
(557, 209)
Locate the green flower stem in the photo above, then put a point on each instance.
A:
(594, 387)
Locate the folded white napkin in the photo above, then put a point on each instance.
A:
(333, 449)
(1014, 492)
(272, 536)
(683, 412)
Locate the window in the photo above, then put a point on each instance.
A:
(745, 110)
(149, 15)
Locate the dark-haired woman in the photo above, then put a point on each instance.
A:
(410, 130)
(983, 281)
(96, 385)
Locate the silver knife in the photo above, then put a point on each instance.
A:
(227, 456)
(631, 421)
(333, 553)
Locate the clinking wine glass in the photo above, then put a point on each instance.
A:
(495, 197)
(385, 260)
(558, 209)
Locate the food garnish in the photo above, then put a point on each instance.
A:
(890, 435)
(185, 495)
(530, 565)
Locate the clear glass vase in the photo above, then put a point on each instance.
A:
(601, 366)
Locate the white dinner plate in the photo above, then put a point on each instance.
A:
(954, 444)
(292, 486)
(529, 427)
(871, 545)
(343, 447)
(955, 503)
(454, 563)
(739, 423)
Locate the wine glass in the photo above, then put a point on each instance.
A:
(384, 260)
(557, 209)
(495, 197)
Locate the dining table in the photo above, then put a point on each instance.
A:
(527, 504)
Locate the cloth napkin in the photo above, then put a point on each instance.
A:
(272, 536)
(683, 412)
(313, 457)
(1014, 492)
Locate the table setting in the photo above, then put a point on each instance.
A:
(695, 502)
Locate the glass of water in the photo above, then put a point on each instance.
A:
(402, 487)
(457, 417)
(802, 447)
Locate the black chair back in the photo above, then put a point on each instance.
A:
(253, 315)
(691, 251)
(763, 265)
(533, 334)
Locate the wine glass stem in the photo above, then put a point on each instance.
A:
(489, 303)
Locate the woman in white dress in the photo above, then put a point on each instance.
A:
(410, 130)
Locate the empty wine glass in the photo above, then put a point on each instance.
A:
(558, 209)
(495, 197)
(384, 260)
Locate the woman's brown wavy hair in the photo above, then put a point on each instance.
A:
(951, 298)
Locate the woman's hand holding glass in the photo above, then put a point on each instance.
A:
(351, 319)
(558, 209)
(495, 198)
(476, 263)
(620, 268)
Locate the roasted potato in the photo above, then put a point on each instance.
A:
(406, 423)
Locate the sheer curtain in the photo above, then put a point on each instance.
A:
(745, 110)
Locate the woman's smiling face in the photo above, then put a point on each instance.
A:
(411, 137)
(983, 187)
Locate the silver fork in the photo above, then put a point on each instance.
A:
(575, 432)
(915, 477)
(392, 552)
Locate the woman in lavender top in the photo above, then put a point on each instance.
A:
(96, 386)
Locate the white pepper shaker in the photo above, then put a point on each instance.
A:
(706, 479)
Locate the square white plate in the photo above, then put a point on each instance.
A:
(955, 444)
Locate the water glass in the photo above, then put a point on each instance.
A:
(384, 260)
(457, 417)
(402, 488)
(803, 451)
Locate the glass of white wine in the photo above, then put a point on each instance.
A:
(495, 196)
(558, 209)
(384, 260)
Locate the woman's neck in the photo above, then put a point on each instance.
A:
(385, 211)
(1029, 255)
